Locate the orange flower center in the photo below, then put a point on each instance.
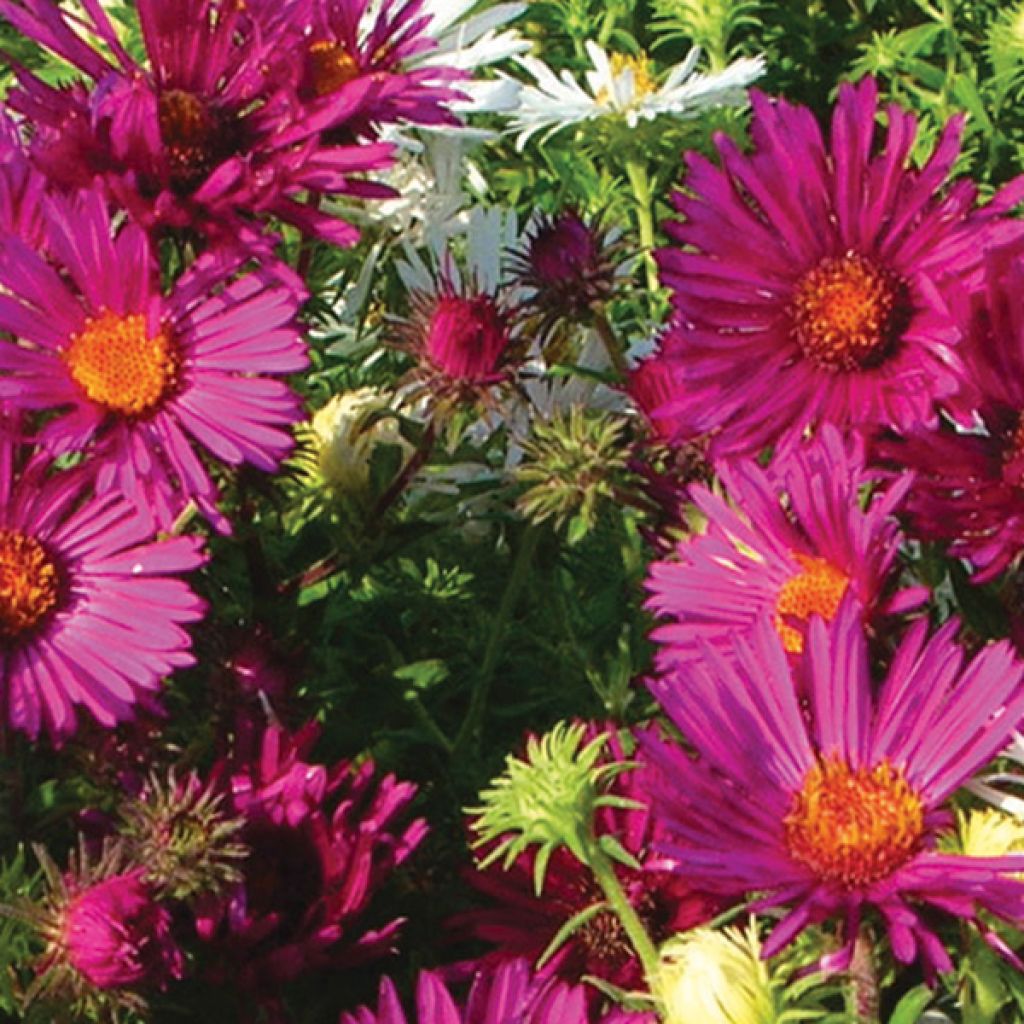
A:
(847, 313)
(817, 589)
(854, 826)
(331, 66)
(195, 137)
(119, 366)
(29, 583)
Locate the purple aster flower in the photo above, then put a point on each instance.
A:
(115, 934)
(137, 377)
(834, 808)
(507, 992)
(792, 543)
(807, 279)
(345, 41)
(90, 611)
(322, 841)
(970, 486)
(22, 188)
(204, 135)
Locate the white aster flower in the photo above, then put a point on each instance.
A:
(626, 86)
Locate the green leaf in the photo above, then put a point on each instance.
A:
(910, 1007)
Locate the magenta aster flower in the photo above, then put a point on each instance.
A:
(508, 992)
(350, 40)
(202, 136)
(90, 611)
(311, 872)
(836, 808)
(792, 543)
(22, 188)
(116, 935)
(806, 288)
(135, 376)
(970, 486)
(520, 923)
(462, 338)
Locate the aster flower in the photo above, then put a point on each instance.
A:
(135, 376)
(625, 87)
(567, 266)
(519, 922)
(321, 840)
(807, 280)
(22, 188)
(461, 328)
(835, 810)
(971, 480)
(793, 543)
(201, 136)
(90, 611)
(107, 937)
(507, 992)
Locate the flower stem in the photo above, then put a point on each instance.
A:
(864, 980)
(604, 874)
(636, 171)
(470, 729)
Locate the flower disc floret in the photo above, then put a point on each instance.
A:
(194, 135)
(330, 67)
(466, 337)
(119, 365)
(29, 583)
(848, 313)
(817, 589)
(854, 826)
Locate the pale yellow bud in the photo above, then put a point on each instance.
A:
(345, 436)
(989, 833)
(715, 977)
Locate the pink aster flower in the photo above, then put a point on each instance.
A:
(970, 486)
(344, 41)
(90, 611)
(834, 809)
(322, 840)
(807, 279)
(520, 923)
(202, 136)
(116, 935)
(22, 188)
(792, 543)
(137, 377)
(507, 992)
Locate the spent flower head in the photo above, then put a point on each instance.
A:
(178, 831)
(571, 465)
(548, 799)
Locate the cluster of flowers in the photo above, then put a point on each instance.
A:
(856, 317)
(832, 308)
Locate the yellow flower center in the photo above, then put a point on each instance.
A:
(847, 313)
(644, 82)
(331, 66)
(29, 583)
(119, 366)
(854, 826)
(817, 589)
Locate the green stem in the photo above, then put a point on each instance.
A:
(604, 874)
(470, 728)
(636, 171)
